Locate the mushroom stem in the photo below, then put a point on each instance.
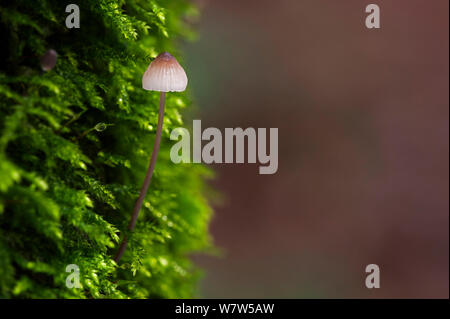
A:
(148, 178)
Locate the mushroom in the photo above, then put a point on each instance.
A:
(164, 74)
(48, 60)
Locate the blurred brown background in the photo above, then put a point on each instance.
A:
(363, 118)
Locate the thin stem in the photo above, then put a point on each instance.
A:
(148, 178)
(73, 119)
(86, 132)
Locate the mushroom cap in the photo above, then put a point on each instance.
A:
(165, 74)
(48, 60)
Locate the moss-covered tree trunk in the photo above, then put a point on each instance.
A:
(74, 144)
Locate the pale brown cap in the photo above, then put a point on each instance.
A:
(165, 74)
(48, 60)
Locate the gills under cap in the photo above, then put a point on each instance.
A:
(165, 74)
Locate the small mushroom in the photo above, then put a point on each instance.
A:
(164, 74)
(48, 60)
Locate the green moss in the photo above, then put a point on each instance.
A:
(66, 188)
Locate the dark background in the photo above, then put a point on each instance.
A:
(363, 118)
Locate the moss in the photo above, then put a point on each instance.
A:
(67, 188)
